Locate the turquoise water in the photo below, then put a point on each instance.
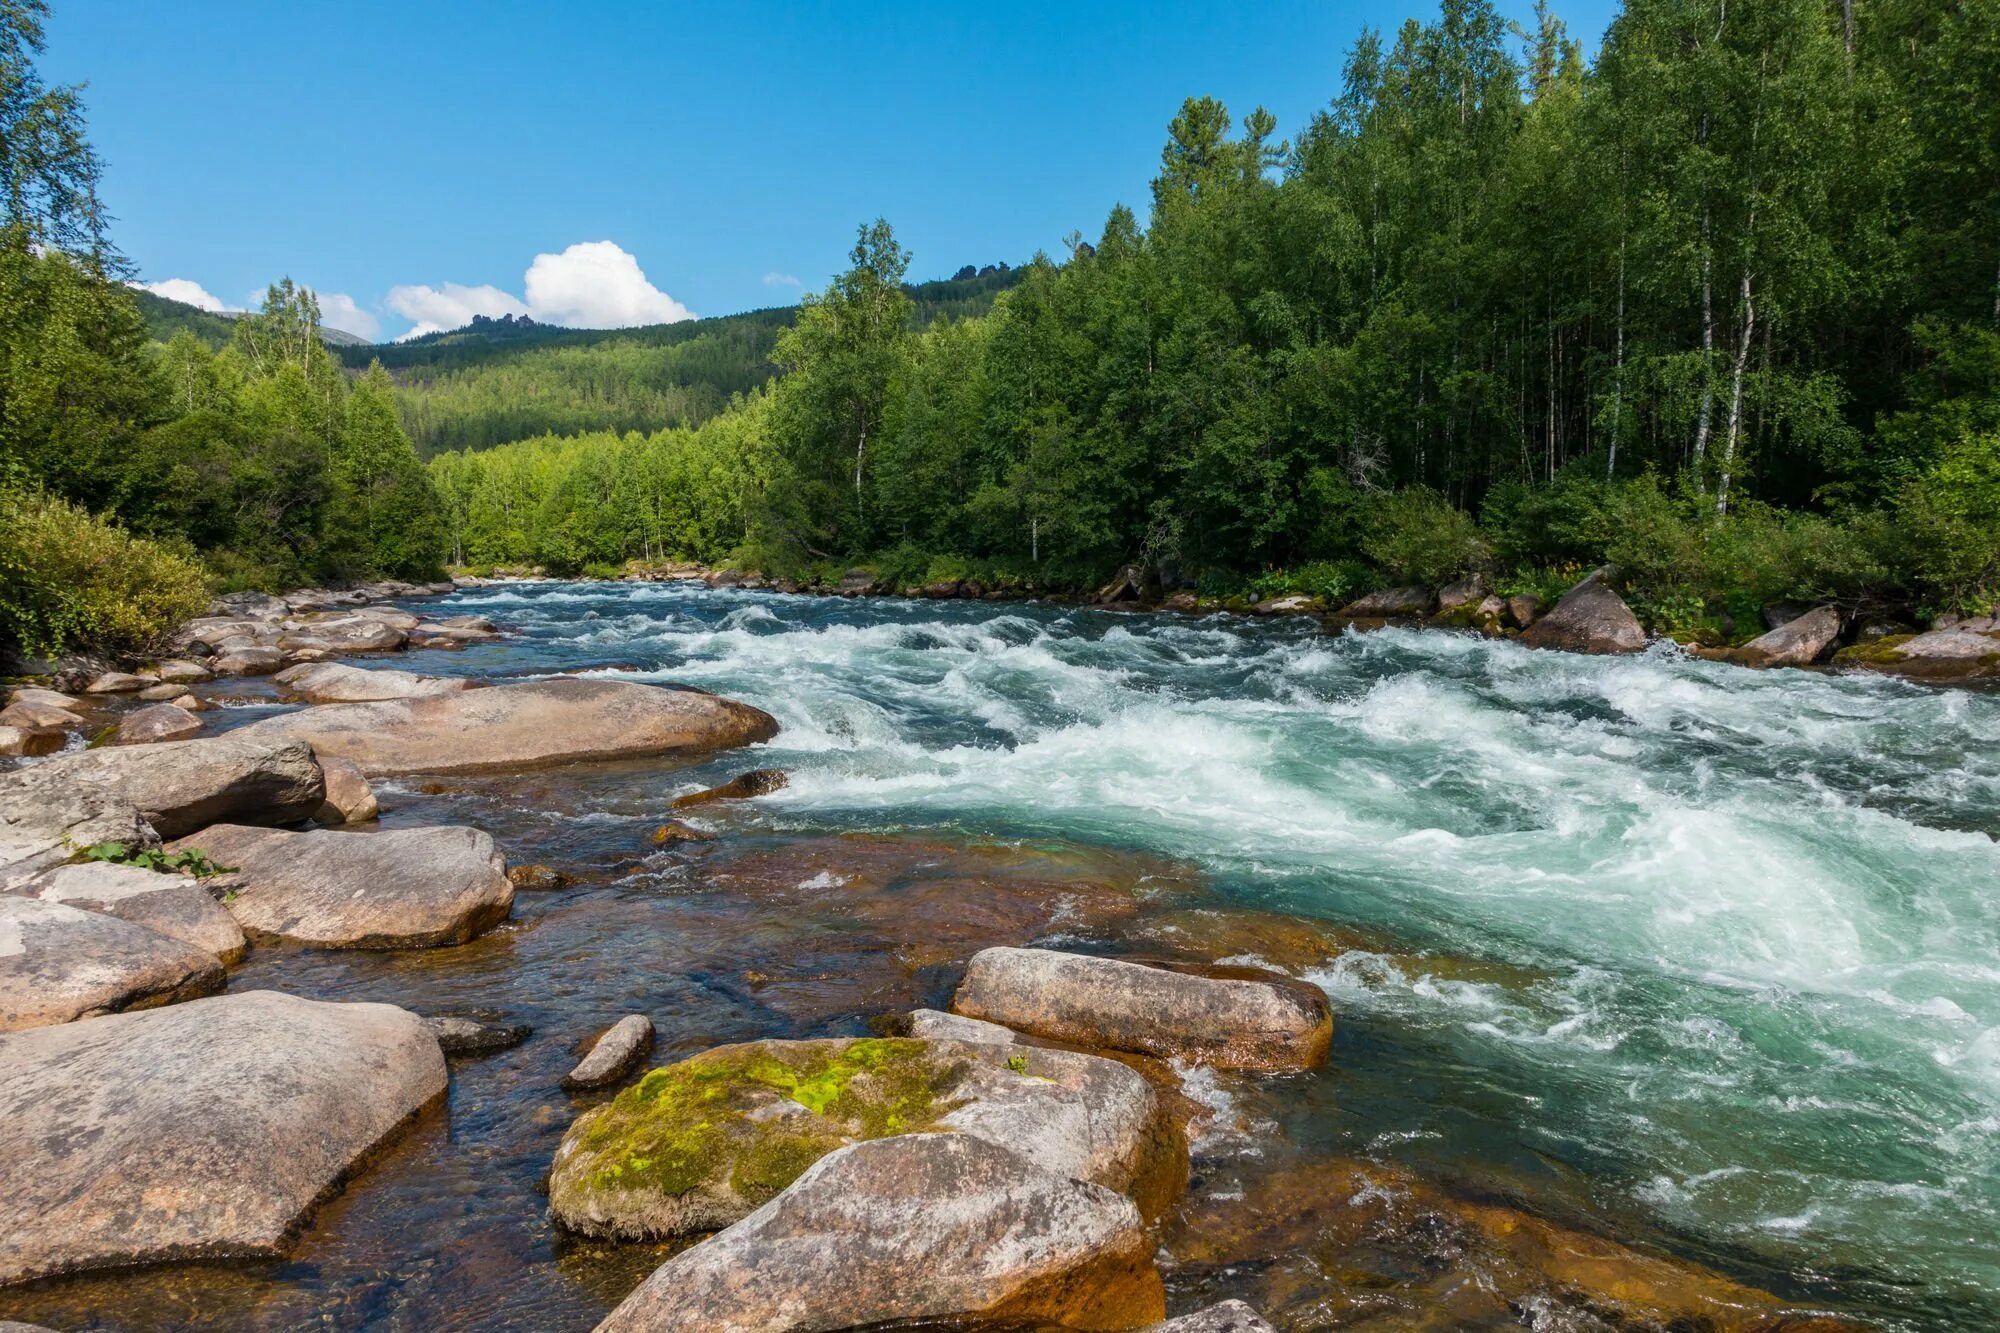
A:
(1700, 958)
(1762, 909)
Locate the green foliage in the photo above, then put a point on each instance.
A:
(1417, 534)
(189, 860)
(68, 579)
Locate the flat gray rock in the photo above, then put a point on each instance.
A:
(1798, 642)
(921, 1226)
(1236, 1018)
(517, 726)
(393, 889)
(158, 722)
(613, 1054)
(180, 786)
(338, 683)
(176, 906)
(60, 963)
(207, 1130)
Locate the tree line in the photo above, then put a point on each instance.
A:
(1721, 305)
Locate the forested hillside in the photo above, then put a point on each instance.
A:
(165, 317)
(506, 379)
(1722, 307)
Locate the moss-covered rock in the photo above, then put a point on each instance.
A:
(703, 1143)
(697, 1145)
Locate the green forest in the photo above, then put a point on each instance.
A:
(1719, 306)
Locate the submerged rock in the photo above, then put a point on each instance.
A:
(60, 963)
(1590, 618)
(702, 1143)
(208, 1130)
(338, 683)
(917, 1227)
(1335, 1242)
(470, 1036)
(401, 888)
(1798, 642)
(177, 906)
(1237, 1017)
(613, 1055)
(1228, 1317)
(157, 722)
(536, 877)
(513, 726)
(757, 782)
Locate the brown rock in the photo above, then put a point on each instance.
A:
(1468, 591)
(1523, 609)
(757, 782)
(404, 888)
(337, 683)
(252, 661)
(349, 798)
(177, 906)
(180, 671)
(536, 877)
(31, 694)
(1796, 643)
(180, 786)
(162, 693)
(31, 741)
(513, 726)
(917, 1227)
(1238, 1018)
(1590, 618)
(209, 1130)
(60, 963)
(157, 722)
(1389, 603)
(673, 831)
(119, 682)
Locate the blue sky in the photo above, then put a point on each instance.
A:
(412, 161)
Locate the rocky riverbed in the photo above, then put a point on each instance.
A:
(1382, 982)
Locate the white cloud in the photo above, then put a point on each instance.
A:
(596, 285)
(776, 279)
(590, 285)
(338, 311)
(452, 306)
(185, 289)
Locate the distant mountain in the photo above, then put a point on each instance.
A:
(497, 380)
(165, 317)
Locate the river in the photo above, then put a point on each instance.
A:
(1702, 958)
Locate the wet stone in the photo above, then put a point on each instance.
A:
(613, 1055)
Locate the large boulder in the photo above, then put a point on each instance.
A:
(180, 786)
(917, 1227)
(60, 963)
(337, 683)
(1239, 1018)
(1798, 642)
(209, 1130)
(176, 906)
(42, 823)
(1590, 618)
(514, 726)
(29, 714)
(395, 889)
(1389, 603)
(359, 634)
(700, 1144)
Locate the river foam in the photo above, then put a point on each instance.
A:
(1751, 916)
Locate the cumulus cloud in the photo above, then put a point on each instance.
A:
(776, 279)
(185, 289)
(452, 306)
(337, 310)
(590, 285)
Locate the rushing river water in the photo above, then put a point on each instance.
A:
(1702, 958)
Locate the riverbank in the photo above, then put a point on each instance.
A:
(841, 900)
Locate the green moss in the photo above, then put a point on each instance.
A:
(714, 1118)
(1882, 651)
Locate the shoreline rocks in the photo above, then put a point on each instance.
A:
(520, 726)
(181, 786)
(207, 1130)
(407, 888)
(177, 906)
(1234, 1018)
(865, 1237)
(59, 963)
(1590, 618)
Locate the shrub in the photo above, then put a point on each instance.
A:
(1419, 535)
(71, 581)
